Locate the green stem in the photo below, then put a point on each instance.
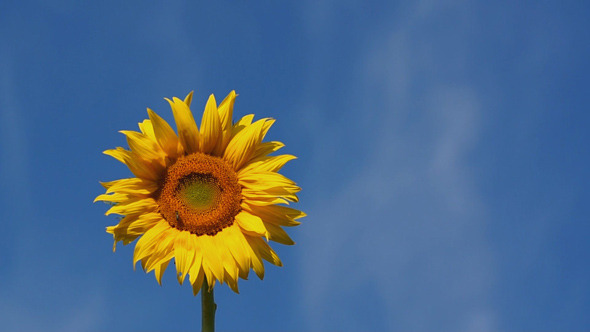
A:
(208, 308)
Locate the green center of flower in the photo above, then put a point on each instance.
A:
(199, 192)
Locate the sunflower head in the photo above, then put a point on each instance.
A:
(209, 198)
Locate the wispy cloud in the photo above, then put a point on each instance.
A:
(88, 314)
(402, 243)
(13, 137)
(34, 294)
(70, 311)
(15, 176)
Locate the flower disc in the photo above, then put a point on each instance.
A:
(200, 194)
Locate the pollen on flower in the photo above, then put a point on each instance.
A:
(200, 194)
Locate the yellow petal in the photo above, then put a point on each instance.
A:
(135, 224)
(149, 240)
(184, 254)
(229, 264)
(243, 273)
(197, 262)
(267, 124)
(255, 259)
(188, 133)
(165, 135)
(147, 128)
(266, 148)
(129, 228)
(198, 283)
(134, 186)
(210, 127)
(250, 223)
(115, 198)
(211, 283)
(266, 164)
(231, 278)
(276, 214)
(132, 206)
(242, 123)
(236, 247)
(259, 200)
(262, 190)
(211, 258)
(277, 234)
(242, 146)
(264, 250)
(188, 99)
(163, 250)
(160, 268)
(265, 180)
(276, 195)
(144, 146)
(208, 274)
(137, 165)
(119, 153)
(226, 110)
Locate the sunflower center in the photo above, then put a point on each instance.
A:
(200, 194)
(199, 191)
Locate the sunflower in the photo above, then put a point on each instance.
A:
(209, 198)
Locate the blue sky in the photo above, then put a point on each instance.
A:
(443, 156)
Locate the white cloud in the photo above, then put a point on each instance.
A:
(13, 138)
(24, 291)
(88, 314)
(15, 175)
(404, 238)
(73, 311)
